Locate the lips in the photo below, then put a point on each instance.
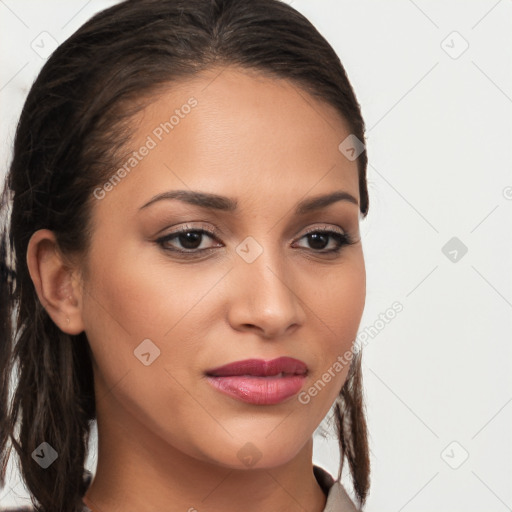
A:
(259, 382)
(280, 367)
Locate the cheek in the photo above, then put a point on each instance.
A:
(338, 309)
(136, 296)
(142, 298)
(129, 301)
(340, 302)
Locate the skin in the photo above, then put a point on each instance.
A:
(167, 439)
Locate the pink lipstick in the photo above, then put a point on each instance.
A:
(260, 382)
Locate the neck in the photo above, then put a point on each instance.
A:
(138, 470)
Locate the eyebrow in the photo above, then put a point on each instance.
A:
(216, 202)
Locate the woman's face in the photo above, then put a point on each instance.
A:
(158, 319)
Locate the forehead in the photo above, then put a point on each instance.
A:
(233, 132)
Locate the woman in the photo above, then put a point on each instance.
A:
(187, 183)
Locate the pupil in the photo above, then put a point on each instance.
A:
(189, 239)
(315, 237)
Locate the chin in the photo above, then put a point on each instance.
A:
(256, 452)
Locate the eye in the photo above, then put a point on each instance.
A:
(191, 240)
(319, 240)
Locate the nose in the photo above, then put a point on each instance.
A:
(266, 298)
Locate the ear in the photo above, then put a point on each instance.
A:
(55, 281)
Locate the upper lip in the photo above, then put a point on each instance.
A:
(261, 368)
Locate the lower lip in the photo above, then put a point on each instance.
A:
(259, 390)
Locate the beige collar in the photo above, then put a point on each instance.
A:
(337, 498)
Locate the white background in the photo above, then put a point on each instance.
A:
(438, 376)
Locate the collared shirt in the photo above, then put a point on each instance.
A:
(337, 498)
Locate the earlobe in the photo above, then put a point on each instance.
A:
(54, 282)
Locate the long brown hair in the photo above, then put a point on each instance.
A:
(70, 134)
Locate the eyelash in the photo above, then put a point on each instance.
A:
(343, 239)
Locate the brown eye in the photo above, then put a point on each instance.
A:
(318, 240)
(189, 239)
